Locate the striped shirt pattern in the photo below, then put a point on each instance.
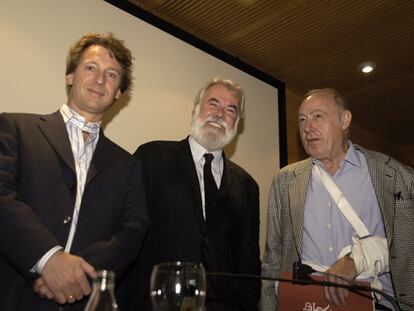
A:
(82, 153)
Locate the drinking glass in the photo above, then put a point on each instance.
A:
(178, 286)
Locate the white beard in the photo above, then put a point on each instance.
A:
(211, 138)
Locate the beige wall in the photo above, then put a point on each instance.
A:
(168, 72)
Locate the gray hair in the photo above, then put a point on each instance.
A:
(232, 86)
(340, 101)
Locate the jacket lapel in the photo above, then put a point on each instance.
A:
(53, 128)
(228, 177)
(383, 181)
(185, 162)
(105, 153)
(298, 186)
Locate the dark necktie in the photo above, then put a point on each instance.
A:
(210, 188)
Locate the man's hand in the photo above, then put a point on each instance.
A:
(344, 267)
(64, 278)
(42, 290)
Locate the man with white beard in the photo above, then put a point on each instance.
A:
(192, 219)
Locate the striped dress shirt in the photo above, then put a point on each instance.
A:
(82, 151)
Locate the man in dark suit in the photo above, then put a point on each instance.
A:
(71, 201)
(224, 235)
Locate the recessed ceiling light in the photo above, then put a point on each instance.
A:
(366, 67)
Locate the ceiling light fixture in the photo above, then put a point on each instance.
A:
(366, 67)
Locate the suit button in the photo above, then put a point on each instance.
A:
(71, 187)
(67, 220)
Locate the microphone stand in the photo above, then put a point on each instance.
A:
(353, 287)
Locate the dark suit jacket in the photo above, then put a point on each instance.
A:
(178, 231)
(37, 197)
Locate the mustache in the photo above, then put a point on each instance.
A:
(219, 120)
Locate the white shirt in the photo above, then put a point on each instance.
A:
(82, 153)
(217, 166)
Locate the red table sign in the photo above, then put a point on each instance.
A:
(297, 297)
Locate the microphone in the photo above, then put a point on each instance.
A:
(303, 279)
(301, 270)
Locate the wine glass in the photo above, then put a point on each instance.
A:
(178, 286)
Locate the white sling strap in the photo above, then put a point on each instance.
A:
(342, 203)
(370, 254)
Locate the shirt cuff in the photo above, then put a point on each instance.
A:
(38, 267)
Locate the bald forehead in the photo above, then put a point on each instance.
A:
(321, 96)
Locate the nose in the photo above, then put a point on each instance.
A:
(100, 77)
(220, 112)
(307, 126)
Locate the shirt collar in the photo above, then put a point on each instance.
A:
(351, 157)
(198, 151)
(70, 115)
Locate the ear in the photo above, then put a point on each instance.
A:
(346, 119)
(118, 93)
(196, 110)
(236, 123)
(69, 79)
